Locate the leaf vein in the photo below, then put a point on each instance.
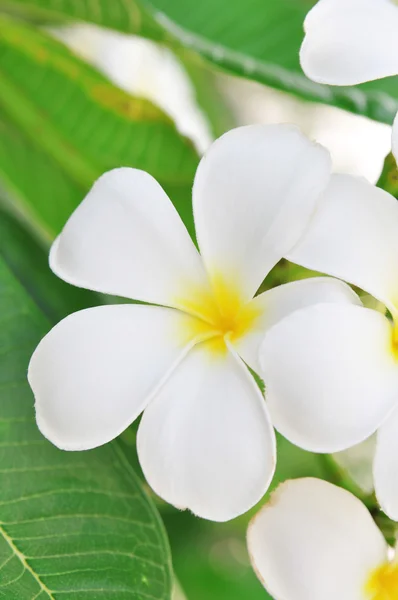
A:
(24, 562)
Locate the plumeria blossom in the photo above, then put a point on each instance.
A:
(316, 541)
(332, 370)
(205, 441)
(348, 42)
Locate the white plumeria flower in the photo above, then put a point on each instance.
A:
(316, 541)
(205, 441)
(332, 371)
(348, 42)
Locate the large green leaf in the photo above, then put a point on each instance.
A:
(63, 124)
(260, 39)
(72, 525)
(39, 190)
(257, 39)
(124, 15)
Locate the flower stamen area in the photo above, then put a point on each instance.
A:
(383, 583)
(394, 340)
(220, 314)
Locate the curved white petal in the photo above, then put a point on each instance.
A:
(127, 239)
(385, 466)
(331, 375)
(350, 41)
(279, 302)
(205, 442)
(395, 138)
(315, 541)
(95, 371)
(353, 236)
(254, 193)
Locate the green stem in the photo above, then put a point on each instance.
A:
(339, 476)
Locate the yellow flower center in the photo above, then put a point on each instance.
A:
(394, 340)
(219, 314)
(383, 583)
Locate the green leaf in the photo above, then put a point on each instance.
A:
(72, 525)
(39, 191)
(64, 124)
(29, 264)
(256, 39)
(261, 39)
(124, 15)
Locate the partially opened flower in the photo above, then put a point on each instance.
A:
(205, 440)
(351, 41)
(315, 541)
(332, 371)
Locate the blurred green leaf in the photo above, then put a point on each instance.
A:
(39, 190)
(256, 39)
(29, 265)
(72, 525)
(123, 15)
(63, 124)
(260, 39)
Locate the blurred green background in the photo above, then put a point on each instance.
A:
(88, 85)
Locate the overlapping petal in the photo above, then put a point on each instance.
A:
(277, 303)
(350, 41)
(127, 239)
(95, 371)
(331, 375)
(385, 466)
(315, 541)
(353, 236)
(206, 442)
(254, 193)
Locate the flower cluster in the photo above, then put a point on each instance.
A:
(183, 354)
(314, 540)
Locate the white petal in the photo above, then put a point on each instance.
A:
(127, 239)
(350, 41)
(395, 138)
(254, 193)
(385, 466)
(279, 302)
(315, 541)
(206, 442)
(331, 375)
(95, 371)
(353, 236)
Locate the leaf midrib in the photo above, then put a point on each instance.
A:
(22, 558)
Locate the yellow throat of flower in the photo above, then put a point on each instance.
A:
(394, 344)
(383, 583)
(220, 314)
